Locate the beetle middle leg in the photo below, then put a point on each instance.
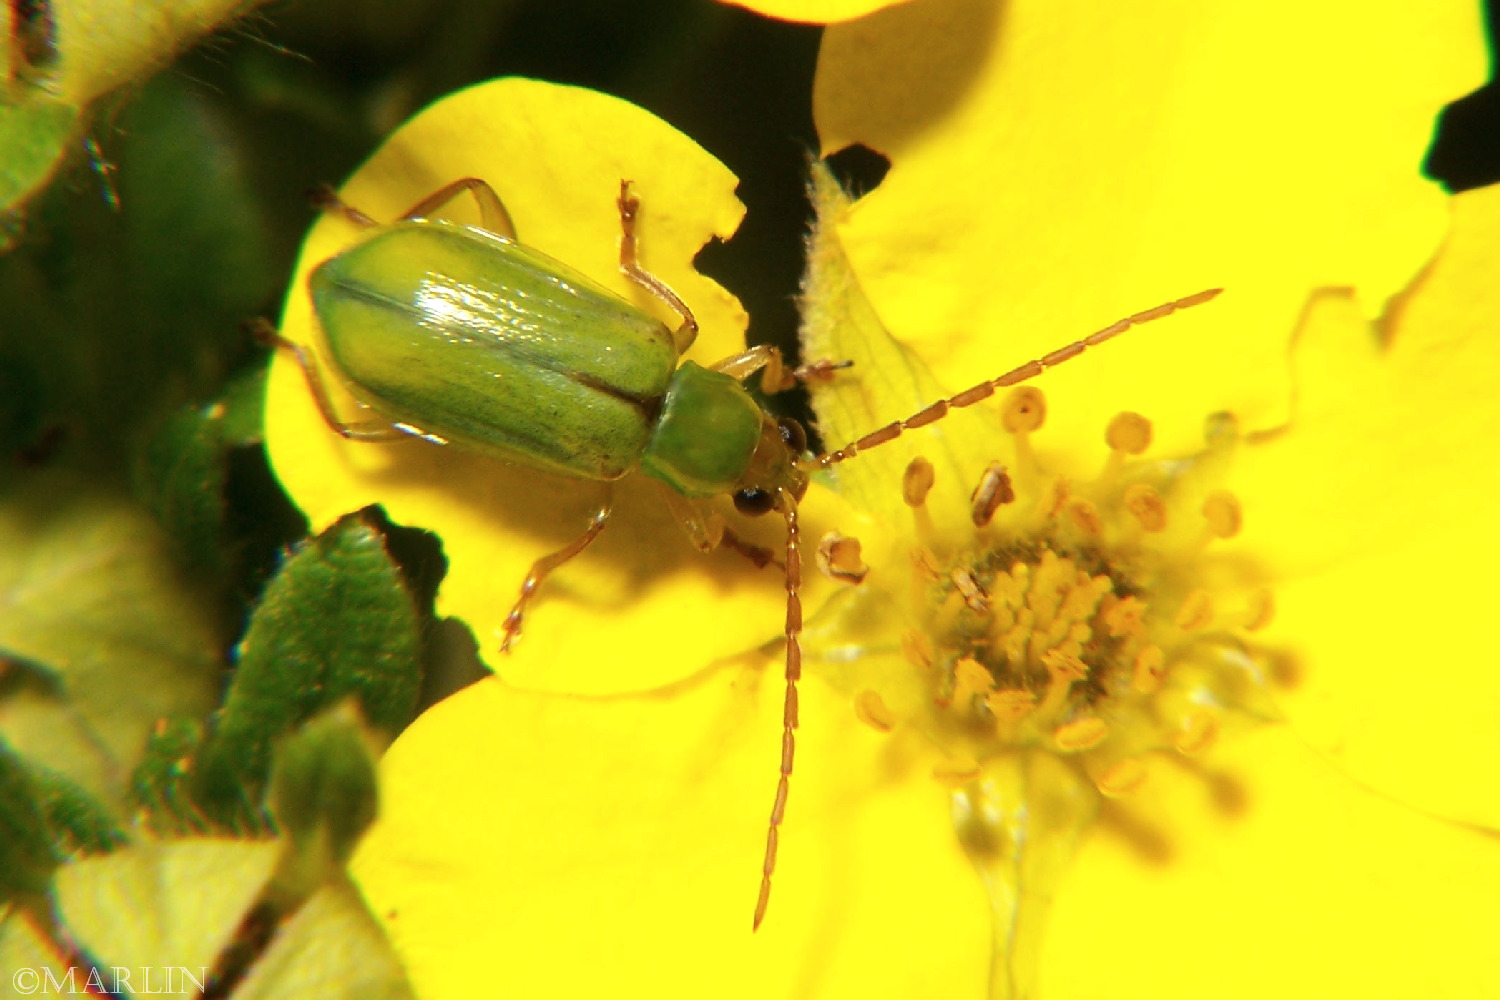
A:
(545, 565)
(629, 204)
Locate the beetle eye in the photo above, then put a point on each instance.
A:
(793, 434)
(754, 502)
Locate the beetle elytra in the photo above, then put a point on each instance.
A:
(490, 346)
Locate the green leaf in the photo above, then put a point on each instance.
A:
(184, 467)
(34, 137)
(79, 822)
(324, 795)
(108, 636)
(335, 622)
(331, 949)
(27, 856)
(163, 904)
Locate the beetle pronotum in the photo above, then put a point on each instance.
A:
(594, 388)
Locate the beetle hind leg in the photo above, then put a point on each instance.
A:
(376, 431)
(545, 565)
(629, 205)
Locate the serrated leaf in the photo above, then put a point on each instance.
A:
(27, 856)
(335, 622)
(163, 904)
(331, 948)
(184, 467)
(112, 638)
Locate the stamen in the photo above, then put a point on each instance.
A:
(973, 594)
(1222, 511)
(917, 481)
(916, 646)
(994, 489)
(1081, 734)
(870, 709)
(1025, 410)
(839, 559)
(1121, 778)
(1150, 667)
(1086, 516)
(1011, 705)
(955, 772)
(1262, 610)
(970, 680)
(1196, 613)
(1198, 731)
(1146, 506)
(1129, 433)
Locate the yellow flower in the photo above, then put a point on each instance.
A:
(592, 821)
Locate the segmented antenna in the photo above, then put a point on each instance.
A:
(788, 506)
(984, 390)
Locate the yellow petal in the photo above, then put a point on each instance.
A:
(1274, 875)
(813, 11)
(613, 847)
(1056, 166)
(1375, 512)
(556, 155)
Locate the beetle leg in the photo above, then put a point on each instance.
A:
(493, 214)
(326, 199)
(774, 375)
(629, 204)
(707, 530)
(369, 431)
(548, 563)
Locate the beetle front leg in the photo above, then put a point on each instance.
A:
(545, 565)
(774, 375)
(493, 215)
(629, 205)
(267, 334)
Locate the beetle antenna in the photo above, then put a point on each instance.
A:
(984, 390)
(788, 507)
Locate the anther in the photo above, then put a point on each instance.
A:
(1146, 506)
(1198, 730)
(956, 772)
(1262, 610)
(1025, 409)
(1086, 516)
(970, 680)
(1010, 705)
(1121, 778)
(872, 711)
(994, 489)
(1221, 430)
(916, 646)
(973, 594)
(1196, 613)
(1081, 734)
(916, 481)
(1129, 433)
(1149, 668)
(839, 558)
(1222, 511)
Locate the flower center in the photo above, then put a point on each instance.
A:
(1076, 618)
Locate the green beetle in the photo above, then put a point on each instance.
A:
(464, 336)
